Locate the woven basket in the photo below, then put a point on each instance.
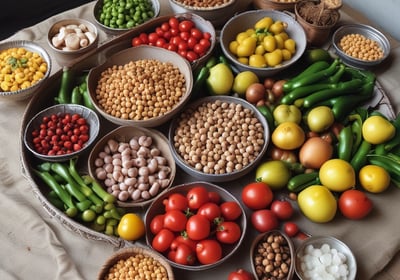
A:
(274, 5)
(127, 252)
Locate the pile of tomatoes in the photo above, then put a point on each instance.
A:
(179, 35)
(195, 226)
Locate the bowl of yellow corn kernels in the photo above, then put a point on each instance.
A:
(24, 67)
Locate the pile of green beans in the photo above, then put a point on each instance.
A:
(125, 14)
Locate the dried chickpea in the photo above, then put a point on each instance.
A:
(361, 47)
(20, 69)
(140, 90)
(203, 4)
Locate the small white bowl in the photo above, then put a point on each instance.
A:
(334, 244)
(23, 94)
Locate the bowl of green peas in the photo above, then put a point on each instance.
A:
(116, 17)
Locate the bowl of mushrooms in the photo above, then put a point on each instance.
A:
(71, 38)
(134, 164)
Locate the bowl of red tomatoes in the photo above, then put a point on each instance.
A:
(195, 226)
(61, 132)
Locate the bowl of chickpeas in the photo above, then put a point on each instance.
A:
(134, 164)
(141, 86)
(24, 68)
(218, 138)
(263, 41)
(360, 45)
(136, 262)
(117, 17)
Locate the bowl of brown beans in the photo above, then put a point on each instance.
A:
(360, 45)
(25, 66)
(141, 86)
(136, 263)
(61, 132)
(134, 164)
(218, 138)
(272, 256)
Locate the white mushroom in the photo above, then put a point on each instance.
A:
(72, 41)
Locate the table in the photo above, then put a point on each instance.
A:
(35, 245)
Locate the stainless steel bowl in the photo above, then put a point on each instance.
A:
(33, 47)
(368, 32)
(90, 116)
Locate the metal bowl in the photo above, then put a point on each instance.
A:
(138, 53)
(335, 245)
(123, 134)
(90, 116)
(368, 32)
(158, 207)
(228, 176)
(28, 92)
(243, 21)
(117, 31)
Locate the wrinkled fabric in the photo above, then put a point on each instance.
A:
(36, 245)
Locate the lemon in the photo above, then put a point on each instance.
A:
(243, 80)
(337, 175)
(317, 54)
(377, 129)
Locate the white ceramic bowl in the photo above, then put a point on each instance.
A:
(158, 207)
(335, 245)
(123, 134)
(65, 56)
(241, 22)
(116, 30)
(368, 32)
(28, 92)
(139, 53)
(227, 176)
(90, 116)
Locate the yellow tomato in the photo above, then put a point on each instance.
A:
(274, 58)
(259, 49)
(233, 47)
(317, 203)
(277, 27)
(290, 45)
(320, 118)
(286, 55)
(269, 43)
(288, 136)
(257, 60)
(373, 178)
(274, 173)
(337, 175)
(244, 60)
(247, 46)
(377, 129)
(264, 23)
(243, 80)
(279, 41)
(241, 36)
(131, 227)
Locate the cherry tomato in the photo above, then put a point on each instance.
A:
(208, 251)
(198, 227)
(214, 197)
(228, 232)
(175, 40)
(230, 210)
(162, 240)
(136, 41)
(144, 37)
(165, 26)
(257, 195)
(185, 240)
(199, 49)
(210, 210)
(159, 32)
(191, 56)
(153, 37)
(197, 196)
(354, 204)
(196, 33)
(283, 209)
(240, 274)
(185, 25)
(161, 42)
(291, 229)
(173, 22)
(192, 41)
(183, 255)
(185, 36)
(175, 220)
(157, 223)
(264, 220)
(176, 201)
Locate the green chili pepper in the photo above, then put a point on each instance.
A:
(98, 189)
(64, 92)
(266, 112)
(345, 143)
(391, 165)
(356, 128)
(359, 158)
(304, 91)
(392, 143)
(76, 96)
(301, 181)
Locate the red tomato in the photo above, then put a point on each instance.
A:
(175, 220)
(354, 204)
(192, 41)
(159, 31)
(185, 240)
(207, 35)
(205, 43)
(198, 227)
(228, 232)
(257, 195)
(185, 36)
(185, 25)
(183, 46)
(196, 33)
(162, 240)
(199, 49)
(240, 274)
(208, 251)
(214, 197)
(197, 196)
(171, 47)
(173, 22)
(165, 26)
(176, 201)
(136, 41)
(161, 42)
(264, 220)
(144, 37)
(184, 255)
(230, 210)
(210, 210)
(175, 40)
(191, 56)
(153, 37)
(283, 209)
(157, 223)
(291, 229)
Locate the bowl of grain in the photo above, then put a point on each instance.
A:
(141, 86)
(281, 5)
(218, 138)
